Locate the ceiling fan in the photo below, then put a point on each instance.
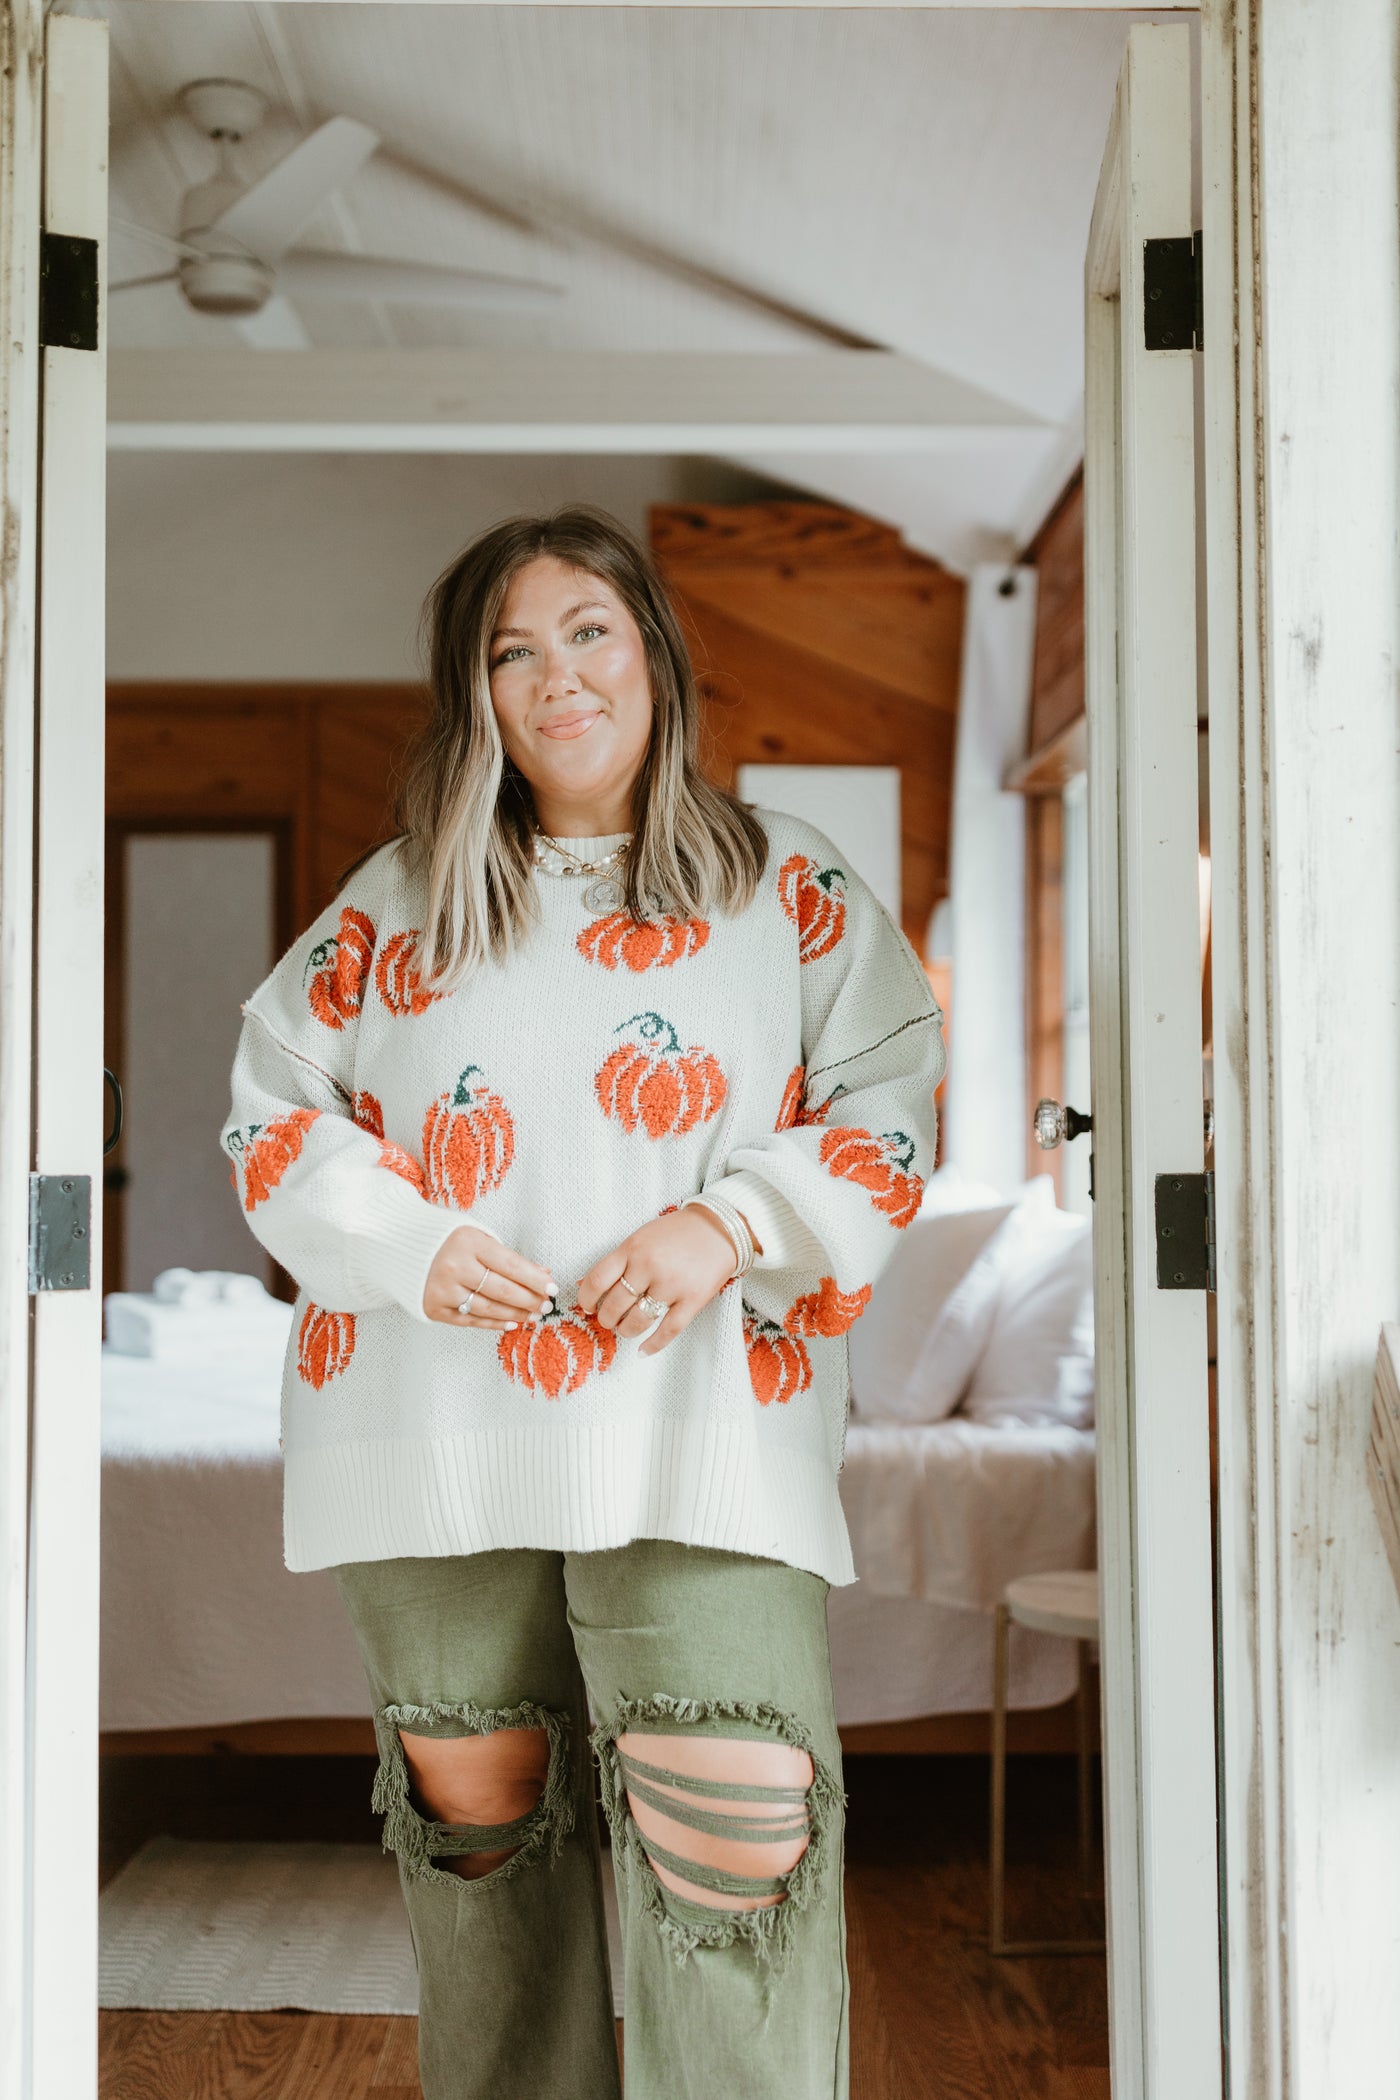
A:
(235, 237)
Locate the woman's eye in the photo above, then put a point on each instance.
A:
(589, 633)
(506, 655)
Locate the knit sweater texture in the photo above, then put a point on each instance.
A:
(784, 1056)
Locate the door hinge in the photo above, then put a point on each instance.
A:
(60, 1232)
(1172, 293)
(1185, 1217)
(67, 291)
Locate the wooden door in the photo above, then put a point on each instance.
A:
(1145, 1017)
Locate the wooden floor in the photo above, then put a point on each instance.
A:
(933, 2016)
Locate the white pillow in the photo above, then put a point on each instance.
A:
(1038, 1365)
(929, 1316)
(948, 1188)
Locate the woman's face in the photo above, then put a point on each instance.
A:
(570, 690)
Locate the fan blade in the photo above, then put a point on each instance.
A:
(270, 214)
(273, 327)
(309, 273)
(136, 284)
(159, 240)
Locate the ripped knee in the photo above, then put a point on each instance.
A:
(726, 1832)
(469, 1793)
(722, 1820)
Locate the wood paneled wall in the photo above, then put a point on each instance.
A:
(1057, 693)
(821, 639)
(319, 760)
(1056, 750)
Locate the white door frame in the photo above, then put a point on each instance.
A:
(21, 139)
(69, 1105)
(1233, 472)
(1154, 1490)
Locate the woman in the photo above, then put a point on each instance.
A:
(585, 1118)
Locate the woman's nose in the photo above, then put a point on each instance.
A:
(560, 674)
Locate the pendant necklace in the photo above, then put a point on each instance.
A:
(605, 893)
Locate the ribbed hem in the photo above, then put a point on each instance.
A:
(396, 1238)
(577, 1489)
(781, 1233)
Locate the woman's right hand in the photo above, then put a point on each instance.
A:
(514, 1289)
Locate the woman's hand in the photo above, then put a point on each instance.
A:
(684, 1258)
(513, 1288)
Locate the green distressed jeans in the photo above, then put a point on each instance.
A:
(736, 1985)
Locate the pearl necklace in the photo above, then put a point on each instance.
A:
(604, 895)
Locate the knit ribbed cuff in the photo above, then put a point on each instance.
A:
(786, 1241)
(397, 1238)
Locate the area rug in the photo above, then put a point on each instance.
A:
(264, 1928)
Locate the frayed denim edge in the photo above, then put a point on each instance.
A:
(407, 1833)
(769, 1932)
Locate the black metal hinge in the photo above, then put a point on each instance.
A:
(67, 292)
(1185, 1217)
(1172, 298)
(60, 1232)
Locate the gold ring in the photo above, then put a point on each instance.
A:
(627, 1286)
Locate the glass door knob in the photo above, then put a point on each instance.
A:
(1057, 1126)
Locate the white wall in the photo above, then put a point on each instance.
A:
(856, 806)
(312, 566)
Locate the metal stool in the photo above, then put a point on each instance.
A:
(1067, 1605)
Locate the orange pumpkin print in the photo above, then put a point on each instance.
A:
(267, 1150)
(369, 1115)
(618, 941)
(654, 1083)
(325, 1345)
(790, 1109)
(366, 1111)
(820, 1113)
(794, 1113)
(878, 1164)
(828, 1310)
(815, 900)
(396, 974)
(779, 1366)
(342, 964)
(556, 1353)
(468, 1142)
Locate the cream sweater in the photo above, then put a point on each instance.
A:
(785, 1056)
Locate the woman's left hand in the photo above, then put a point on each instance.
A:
(684, 1259)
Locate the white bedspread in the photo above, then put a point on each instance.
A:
(203, 1626)
(952, 1511)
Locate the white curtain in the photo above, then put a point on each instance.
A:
(985, 1117)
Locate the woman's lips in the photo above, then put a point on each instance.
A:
(570, 725)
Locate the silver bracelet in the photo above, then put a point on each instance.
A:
(735, 1224)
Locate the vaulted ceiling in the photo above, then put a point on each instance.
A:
(710, 180)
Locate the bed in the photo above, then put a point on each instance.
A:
(206, 1637)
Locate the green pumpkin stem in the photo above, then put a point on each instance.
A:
(904, 1148)
(462, 1097)
(649, 1026)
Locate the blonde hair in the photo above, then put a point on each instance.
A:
(465, 809)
